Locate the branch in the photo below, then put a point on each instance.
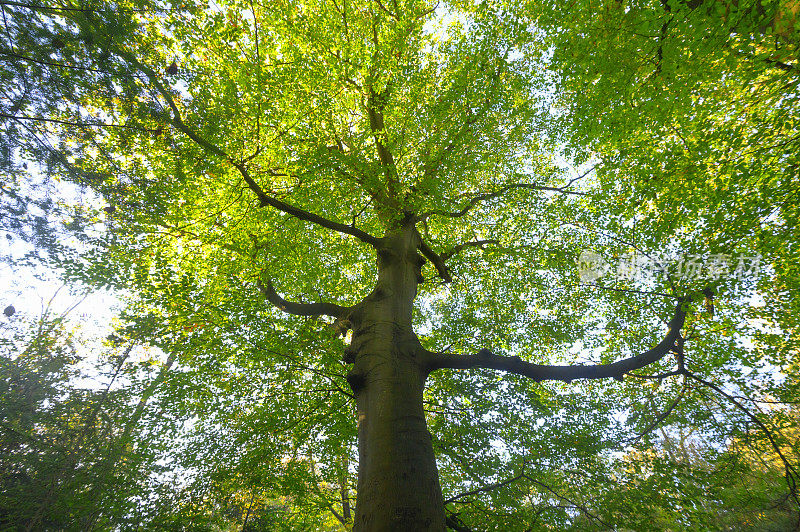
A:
(660, 376)
(574, 504)
(661, 417)
(393, 15)
(301, 309)
(75, 124)
(786, 67)
(375, 105)
(454, 523)
(263, 197)
(40, 8)
(539, 483)
(490, 487)
(486, 359)
(627, 290)
(437, 261)
(50, 63)
(491, 195)
(477, 243)
(266, 200)
(791, 474)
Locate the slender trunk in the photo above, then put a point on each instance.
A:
(118, 449)
(398, 483)
(249, 508)
(344, 489)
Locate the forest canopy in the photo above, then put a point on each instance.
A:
(402, 265)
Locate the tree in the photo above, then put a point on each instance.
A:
(72, 451)
(389, 172)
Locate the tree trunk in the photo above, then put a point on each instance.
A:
(398, 483)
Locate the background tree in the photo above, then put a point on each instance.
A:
(75, 450)
(246, 151)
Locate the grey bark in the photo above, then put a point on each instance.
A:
(398, 482)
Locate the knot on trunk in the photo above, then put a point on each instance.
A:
(356, 380)
(349, 356)
(387, 256)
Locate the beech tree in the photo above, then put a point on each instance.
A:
(364, 221)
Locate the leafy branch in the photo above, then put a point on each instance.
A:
(791, 473)
(265, 200)
(524, 475)
(476, 200)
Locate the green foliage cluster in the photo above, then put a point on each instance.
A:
(527, 132)
(72, 455)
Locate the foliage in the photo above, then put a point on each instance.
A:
(73, 454)
(236, 146)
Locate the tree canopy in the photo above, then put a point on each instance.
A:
(404, 265)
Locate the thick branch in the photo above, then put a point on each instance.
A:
(378, 128)
(301, 309)
(299, 213)
(376, 123)
(617, 370)
(436, 260)
(786, 67)
(454, 523)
